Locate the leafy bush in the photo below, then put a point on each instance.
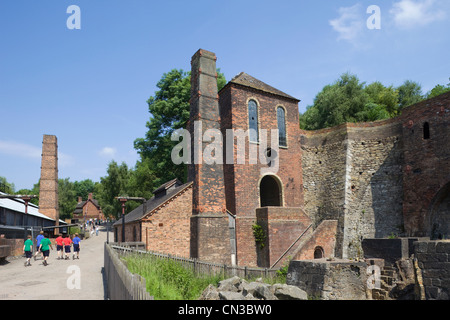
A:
(168, 279)
(259, 234)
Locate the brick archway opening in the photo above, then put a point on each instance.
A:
(318, 253)
(270, 192)
(440, 214)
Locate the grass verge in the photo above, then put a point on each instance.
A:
(168, 279)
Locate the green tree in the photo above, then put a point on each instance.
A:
(386, 98)
(83, 188)
(349, 100)
(438, 90)
(34, 191)
(336, 103)
(5, 186)
(115, 184)
(409, 92)
(310, 119)
(67, 200)
(169, 110)
(142, 180)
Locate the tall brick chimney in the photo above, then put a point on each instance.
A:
(48, 192)
(210, 239)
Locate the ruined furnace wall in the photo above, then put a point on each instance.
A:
(379, 178)
(352, 173)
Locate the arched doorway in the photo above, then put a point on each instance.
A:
(318, 253)
(270, 192)
(440, 214)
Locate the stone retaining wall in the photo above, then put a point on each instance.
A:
(329, 280)
(434, 261)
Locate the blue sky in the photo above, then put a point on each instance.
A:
(89, 87)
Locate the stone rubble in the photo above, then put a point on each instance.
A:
(236, 288)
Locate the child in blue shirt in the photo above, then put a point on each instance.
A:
(76, 246)
(38, 243)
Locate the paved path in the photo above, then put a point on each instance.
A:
(57, 280)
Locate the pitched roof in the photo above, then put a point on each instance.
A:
(246, 80)
(162, 189)
(80, 205)
(155, 202)
(18, 205)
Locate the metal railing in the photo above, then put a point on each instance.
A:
(290, 247)
(202, 267)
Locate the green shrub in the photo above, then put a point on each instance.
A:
(259, 234)
(168, 279)
(73, 230)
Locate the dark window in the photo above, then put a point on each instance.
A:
(253, 121)
(281, 120)
(426, 130)
(271, 155)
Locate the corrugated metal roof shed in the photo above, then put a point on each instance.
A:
(18, 205)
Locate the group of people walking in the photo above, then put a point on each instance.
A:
(43, 245)
(65, 243)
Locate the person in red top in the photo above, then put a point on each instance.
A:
(67, 242)
(59, 246)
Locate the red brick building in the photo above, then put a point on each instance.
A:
(88, 209)
(163, 222)
(311, 194)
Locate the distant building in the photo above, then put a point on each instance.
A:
(88, 209)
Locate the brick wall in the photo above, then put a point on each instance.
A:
(426, 168)
(48, 194)
(92, 211)
(167, 230)
(282, 227)
(323, 238)
(210, 240)
(243, 180)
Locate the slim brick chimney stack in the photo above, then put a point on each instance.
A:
(48, 193)
(210, 240)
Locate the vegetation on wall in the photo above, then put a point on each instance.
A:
(260, 235)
